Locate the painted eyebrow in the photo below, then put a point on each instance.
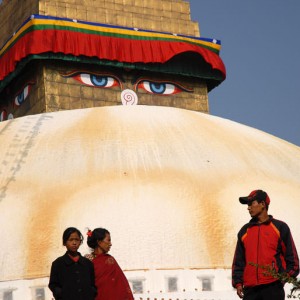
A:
(30, 82)
(104, 73)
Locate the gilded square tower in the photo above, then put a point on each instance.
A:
(70, 54)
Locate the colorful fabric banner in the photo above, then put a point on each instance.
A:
(52, 35)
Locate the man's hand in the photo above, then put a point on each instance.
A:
(239, 291)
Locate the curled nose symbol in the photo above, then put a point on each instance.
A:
(129, 97)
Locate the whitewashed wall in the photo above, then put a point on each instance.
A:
(164, 181)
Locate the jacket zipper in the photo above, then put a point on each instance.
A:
(257, 260)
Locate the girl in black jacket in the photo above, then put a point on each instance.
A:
(72, 276)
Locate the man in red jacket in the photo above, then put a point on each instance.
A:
(264, 241)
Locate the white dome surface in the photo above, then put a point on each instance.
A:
(164, 181)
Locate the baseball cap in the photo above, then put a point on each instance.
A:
(258, 195)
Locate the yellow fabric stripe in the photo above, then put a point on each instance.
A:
(99, 28)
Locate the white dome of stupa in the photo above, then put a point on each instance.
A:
(164, 181)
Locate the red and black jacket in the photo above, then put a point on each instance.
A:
(268, 244)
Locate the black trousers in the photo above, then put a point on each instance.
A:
(272, 291)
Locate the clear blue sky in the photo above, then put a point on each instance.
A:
(261, 51)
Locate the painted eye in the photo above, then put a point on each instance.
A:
(160, 87)
(101, 81)
(3, 115)
(21, 97)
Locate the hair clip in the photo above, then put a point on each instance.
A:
(89, 233)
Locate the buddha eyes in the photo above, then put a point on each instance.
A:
(16, 101)
(101, 81)
(160, 87)
(108, 81)
(3, 115)
(20, 98)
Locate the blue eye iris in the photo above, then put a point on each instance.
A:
(99, 80)
(158, 88)
(20, 98)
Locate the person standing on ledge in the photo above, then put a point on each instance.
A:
(264, 241)
(72, 276)
(109, 277)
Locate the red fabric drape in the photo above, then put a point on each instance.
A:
(111, 282)
(102, 47)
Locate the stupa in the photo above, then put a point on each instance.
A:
(105, 123)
